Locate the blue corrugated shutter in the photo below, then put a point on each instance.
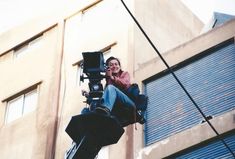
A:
(211, 82)
(214, 150)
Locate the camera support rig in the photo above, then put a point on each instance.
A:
(90, 131)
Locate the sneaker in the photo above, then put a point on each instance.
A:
(140, 117)
(102, 110)
(142, 120)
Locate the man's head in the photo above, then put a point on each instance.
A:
(113, 64)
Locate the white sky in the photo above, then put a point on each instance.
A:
(15, 12)
(204, 8)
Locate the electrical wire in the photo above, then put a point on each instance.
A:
(63, 92)
(178, 81)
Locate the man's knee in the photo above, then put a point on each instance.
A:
(110, 88)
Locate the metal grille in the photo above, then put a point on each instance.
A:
(210, 81)
(214, 150)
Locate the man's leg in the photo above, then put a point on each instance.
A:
(113, 94)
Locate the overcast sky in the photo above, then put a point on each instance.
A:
(16, 12)
(204, 8)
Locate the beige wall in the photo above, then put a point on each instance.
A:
(31, 136)
(167, 23)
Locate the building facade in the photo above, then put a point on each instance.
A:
(41, 87)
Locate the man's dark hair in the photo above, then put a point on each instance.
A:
(112, 58)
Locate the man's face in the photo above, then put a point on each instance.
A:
(114, 66)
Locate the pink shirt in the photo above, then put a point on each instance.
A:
(121, 80)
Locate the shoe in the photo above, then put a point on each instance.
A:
(140, 117)
(102, 110)
(142, 120)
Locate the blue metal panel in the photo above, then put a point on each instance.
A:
(211, 82)
(214, 150)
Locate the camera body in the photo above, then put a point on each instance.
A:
(94, 68)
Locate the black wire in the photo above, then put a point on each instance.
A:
(176, 78)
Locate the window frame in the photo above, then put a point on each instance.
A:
(213, 50)
(21, 96)
(23, 48)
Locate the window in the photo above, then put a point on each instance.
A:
(213, 149)
(209, 78)
(108, 50)
(79, 74)
(107, 54)
(21, 105)
(24, 48)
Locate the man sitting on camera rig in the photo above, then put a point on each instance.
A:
(116, 90)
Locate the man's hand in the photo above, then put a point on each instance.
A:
(109, 73)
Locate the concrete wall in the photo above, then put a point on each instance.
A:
(31, 136)
(167, 23)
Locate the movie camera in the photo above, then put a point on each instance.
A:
(94, 68)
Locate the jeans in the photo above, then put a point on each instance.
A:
(113, 95)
